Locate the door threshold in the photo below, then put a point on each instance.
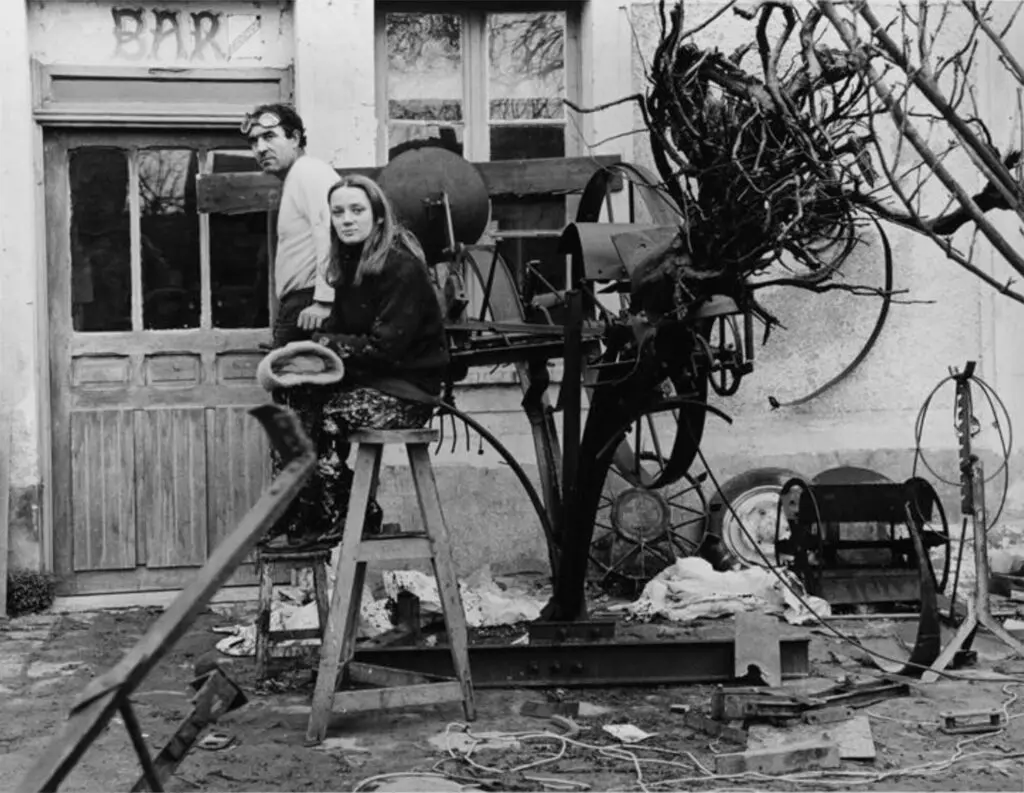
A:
(129, 600)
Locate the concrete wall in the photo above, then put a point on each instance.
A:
(868, 420)
(19, 307)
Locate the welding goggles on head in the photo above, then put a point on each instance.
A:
(266, 119)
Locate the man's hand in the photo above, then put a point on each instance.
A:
(314, 316)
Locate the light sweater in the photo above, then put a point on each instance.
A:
(304, 229)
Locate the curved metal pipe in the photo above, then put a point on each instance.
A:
(517, 469)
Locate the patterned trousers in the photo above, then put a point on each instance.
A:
(329, 415)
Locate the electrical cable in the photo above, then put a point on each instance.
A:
(631, 754)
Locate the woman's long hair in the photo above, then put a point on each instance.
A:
(386, 233)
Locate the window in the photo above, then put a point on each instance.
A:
(485, 80)
(143, 258)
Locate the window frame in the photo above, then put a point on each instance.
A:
(476, 117)
(205, 142)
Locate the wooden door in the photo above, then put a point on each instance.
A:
(156, 313)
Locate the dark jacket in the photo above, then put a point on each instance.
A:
(389, 330)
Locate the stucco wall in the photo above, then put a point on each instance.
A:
(198, 35)
(867, 420)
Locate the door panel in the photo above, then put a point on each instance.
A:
(239, 456)
(171, 485)
(102, 507)
(157, 314)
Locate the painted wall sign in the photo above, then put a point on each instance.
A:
(204, 35)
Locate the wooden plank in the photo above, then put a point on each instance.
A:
(101, 697)
(780, 760)
(852, 737)
(57, 192)
(381, 676)
(399, 697)
(171, 485)
(343, 619)
(102, 490)
(394, 549)
(258, 192)
(757, 647)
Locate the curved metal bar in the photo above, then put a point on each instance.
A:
(869, 343)
(520, 473)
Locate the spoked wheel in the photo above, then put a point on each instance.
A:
(652, 509)
(640, 530)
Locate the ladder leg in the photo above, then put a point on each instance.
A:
(266, 601)
(444, 570)
(320, 590)
(341, 613)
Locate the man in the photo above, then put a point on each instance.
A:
(277, 137)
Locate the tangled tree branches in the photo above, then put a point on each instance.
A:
(782, 163)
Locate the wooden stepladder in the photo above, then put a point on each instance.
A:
(396, 688)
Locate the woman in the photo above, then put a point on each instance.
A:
(387, 327)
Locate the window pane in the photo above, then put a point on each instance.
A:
(526, 60)
(510, 142)
(424, 67)
(239, 258)
(403, 136)
(101, 281)
(169, 228)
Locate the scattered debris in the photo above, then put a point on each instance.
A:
(294, 608)
(568, 727)
(627, 733)
(691, 589)
(972, 721)
(852, 737)
(462, 742)
(696, 720)
(545, 710)
(780, 760)
(216, 741)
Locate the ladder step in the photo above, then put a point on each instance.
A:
(390, 549)
(377, 675)
(295, 633)
(399, 697)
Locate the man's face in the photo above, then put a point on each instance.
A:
(275, 152)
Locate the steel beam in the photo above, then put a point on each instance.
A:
(580, 664)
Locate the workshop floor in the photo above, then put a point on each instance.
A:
(46, 660)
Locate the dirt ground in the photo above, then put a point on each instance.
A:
(46, 660)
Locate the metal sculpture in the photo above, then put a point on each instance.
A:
(646, 367)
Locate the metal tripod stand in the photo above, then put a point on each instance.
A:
(972, 505)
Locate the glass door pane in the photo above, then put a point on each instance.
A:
(101, 279)
(239, 255)
(169, 235)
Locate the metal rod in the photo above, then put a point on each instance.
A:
(139, 744)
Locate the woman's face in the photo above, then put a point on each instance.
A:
(351, 215)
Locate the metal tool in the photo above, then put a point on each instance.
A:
(972, 721)
(972, 505)
(215, 695)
